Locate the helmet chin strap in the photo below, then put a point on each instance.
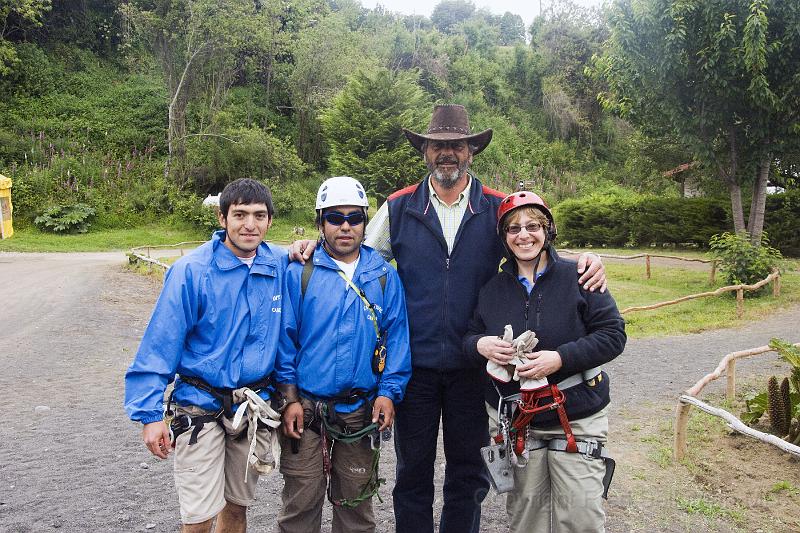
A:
(535, 260)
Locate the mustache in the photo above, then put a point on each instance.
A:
(446, 161)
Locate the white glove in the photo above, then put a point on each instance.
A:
(523, 344)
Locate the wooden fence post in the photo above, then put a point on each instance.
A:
(730, 373)
(739, 302)
(647, 264)
(681, 421)
(713, 277)
(776, 285)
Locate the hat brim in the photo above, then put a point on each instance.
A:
(479, 140)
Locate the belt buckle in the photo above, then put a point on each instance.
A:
(592, 450)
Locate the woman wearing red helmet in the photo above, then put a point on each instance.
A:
(548, 397)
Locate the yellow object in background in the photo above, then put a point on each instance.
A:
(6, 227)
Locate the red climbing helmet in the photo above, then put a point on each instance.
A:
(523, 198)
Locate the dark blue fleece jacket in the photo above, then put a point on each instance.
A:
(584, 327)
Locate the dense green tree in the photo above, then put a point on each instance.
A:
(512, 29)
(190, 36)
(15, 16)
(448, 14)
(565, 38)
(324, 56)
(722, 74)
(364, 128)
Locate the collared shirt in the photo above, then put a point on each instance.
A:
(527, 284)
(378, 231)
(450, 215)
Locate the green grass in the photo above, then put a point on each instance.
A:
(709, 509)
(100, 240)
(628, 284)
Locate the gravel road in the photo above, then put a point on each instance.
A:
(71, 461)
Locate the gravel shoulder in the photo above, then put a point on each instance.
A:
(71, 461)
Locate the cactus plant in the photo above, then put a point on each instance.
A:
(777, 408)
(786, 400)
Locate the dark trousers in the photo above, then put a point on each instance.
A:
(457, 397)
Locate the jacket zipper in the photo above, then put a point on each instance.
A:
(444, 307)
(538, 308)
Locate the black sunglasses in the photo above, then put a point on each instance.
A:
(337, 219)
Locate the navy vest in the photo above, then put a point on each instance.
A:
(441, 289)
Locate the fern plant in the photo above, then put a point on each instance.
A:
(74, 218)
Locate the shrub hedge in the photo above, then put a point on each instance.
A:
(611, 220)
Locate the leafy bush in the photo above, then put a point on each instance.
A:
(33, 75)
(740, 261)
(596, 220)
(66, 219)
(781, 221)
(190, 208)
(634, 220)
(288, 196)
(242, 153)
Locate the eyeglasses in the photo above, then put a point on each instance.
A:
(514, 229)
(337, 219)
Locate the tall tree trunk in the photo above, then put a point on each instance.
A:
(728, 176)
(757, 206)
(176, 129)
(736, 207)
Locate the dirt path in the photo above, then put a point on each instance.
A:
(71, 461)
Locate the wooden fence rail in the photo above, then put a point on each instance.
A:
(144, 253)
(776, 291)
(713, 262)
(138, 253)
(691, 397)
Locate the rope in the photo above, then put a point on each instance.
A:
(372, 485)
(256, 410)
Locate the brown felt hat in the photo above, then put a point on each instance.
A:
(450, 122)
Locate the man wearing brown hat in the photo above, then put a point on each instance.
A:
(443, 236)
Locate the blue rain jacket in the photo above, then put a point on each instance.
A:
(215, 319)
(328, 339)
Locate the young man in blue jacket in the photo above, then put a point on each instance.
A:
(216, 324)
(343, 364)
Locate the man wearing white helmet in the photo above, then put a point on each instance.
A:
(343, 363)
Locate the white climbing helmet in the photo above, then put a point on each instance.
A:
(341, 190)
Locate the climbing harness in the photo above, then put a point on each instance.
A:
(255, 409)
(513, 443)
(332, 429)
(225, 395)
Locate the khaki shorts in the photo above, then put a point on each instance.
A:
(211, 472)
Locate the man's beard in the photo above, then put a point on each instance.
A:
(447, 180)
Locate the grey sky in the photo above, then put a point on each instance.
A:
(527, 9)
